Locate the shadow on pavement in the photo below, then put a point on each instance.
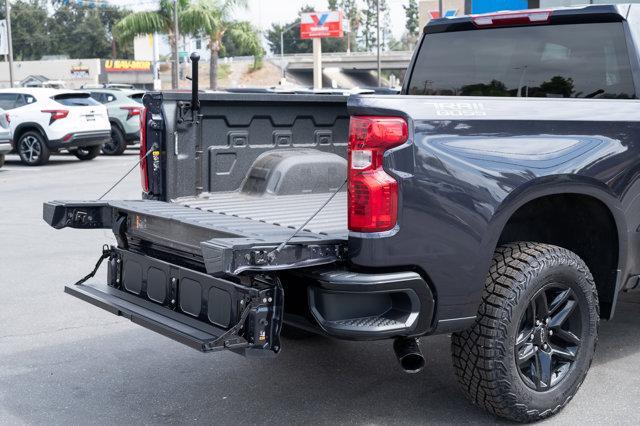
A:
(137, 376)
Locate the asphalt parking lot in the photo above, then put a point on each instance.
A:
(63, 361)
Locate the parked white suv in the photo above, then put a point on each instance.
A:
(43, 121)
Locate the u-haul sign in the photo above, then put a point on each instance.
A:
(321, 24)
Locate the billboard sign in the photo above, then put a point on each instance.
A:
(122, 65)
(321, 25)
(450, 13)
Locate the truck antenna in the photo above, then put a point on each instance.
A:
(195, 100)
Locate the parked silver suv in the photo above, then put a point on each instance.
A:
(5, 136)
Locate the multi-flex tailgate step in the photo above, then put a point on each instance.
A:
(191, 307)
(144, 314)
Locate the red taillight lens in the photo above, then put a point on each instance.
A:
(7, 117)
(132, 111)
(144, 176)
(373, 194)
(56, 114)
(512, 18)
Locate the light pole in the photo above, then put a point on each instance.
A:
(284, 30)
(7, 7)
(378, 43)
(176, 35)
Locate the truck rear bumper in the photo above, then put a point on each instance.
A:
(364, 306)
(80, 140)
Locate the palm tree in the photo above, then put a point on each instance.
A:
(213, 18)
(149, 22)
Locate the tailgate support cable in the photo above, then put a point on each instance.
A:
(106, 252)
(153, 147)
(301, 227)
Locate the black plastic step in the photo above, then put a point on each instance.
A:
(156, 318)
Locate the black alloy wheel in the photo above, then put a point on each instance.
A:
(548, 339)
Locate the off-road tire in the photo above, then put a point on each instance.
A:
(484, 357)
(87, 153)
(117, 145)
(38, 154)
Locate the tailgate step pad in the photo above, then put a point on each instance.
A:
(144, 314)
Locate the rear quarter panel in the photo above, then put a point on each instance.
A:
(472, 162)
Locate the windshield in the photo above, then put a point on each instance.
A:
(564, 61)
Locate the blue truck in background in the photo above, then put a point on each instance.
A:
(497, 198)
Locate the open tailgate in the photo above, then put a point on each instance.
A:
(224, 244)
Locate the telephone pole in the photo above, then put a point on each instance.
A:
(7, 7)
(176, 35)
(378, 42)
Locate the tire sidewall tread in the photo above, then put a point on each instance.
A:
(483, 356)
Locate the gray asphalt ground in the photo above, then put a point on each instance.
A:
(63, 361)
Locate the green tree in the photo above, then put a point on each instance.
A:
(213, 19)
(368, 35)
(86, 32)
(29, 30)
(230, 46)
(78, 33)
(149, 22)
(354, 16)
(412, 23)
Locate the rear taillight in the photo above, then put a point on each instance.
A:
(144, 177)
(7, 117)
(132, 111)
(512, 18)
(373, 194)
(56, 114)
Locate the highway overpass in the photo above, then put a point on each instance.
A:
(362, 61)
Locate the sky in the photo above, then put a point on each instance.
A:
(262, 13)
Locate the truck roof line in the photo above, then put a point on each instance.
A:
(557, 16)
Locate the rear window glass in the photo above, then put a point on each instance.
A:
(557, 61)
(8, 101)
(75, 99)
(137, 97)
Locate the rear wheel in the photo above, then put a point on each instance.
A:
(32, 149)
(535, 333)
(117, 144)
(87, 153)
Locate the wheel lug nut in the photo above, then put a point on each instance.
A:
(538, 322)
(545, 346)
(550, 332)
(531, 337)
(547, 321)
(535, 348)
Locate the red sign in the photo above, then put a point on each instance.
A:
(321, 24)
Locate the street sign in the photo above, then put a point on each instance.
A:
(4, 39)
(321, 25)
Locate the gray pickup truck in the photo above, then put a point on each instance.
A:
(496, 198)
